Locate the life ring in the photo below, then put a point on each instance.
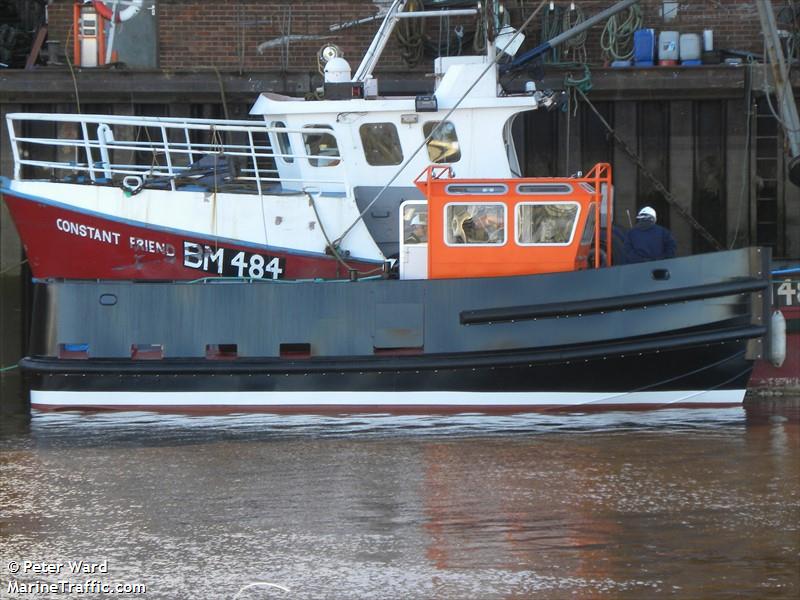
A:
(107, 12)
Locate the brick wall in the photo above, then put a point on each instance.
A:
(226, 34)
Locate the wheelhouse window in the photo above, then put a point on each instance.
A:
(546, 223)
(415, 223)
(479, 224)
(284, 145)
(443, 146)
(319, 145)
(588, 231)
(381, 144)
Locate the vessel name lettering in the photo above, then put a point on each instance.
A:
(87, 231)
(228, 262)
(151, 246)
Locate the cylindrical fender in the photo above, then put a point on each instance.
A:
(129, 11)
(777, 339)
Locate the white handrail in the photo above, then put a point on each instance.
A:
(251, 141)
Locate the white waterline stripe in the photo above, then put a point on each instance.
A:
(323, 398)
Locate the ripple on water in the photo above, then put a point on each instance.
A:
(622, 504)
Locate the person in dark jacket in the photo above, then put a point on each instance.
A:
(648, 241)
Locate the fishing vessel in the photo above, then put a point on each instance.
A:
(357, 253)
(501, 302)
(279, 196)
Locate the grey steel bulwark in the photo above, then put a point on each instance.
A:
(361, 318)
(661, 333)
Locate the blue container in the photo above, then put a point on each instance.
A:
(644, 43)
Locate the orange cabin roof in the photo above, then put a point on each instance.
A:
(524, 226)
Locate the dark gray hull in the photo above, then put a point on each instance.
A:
(679, 331)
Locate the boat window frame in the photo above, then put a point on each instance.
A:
(333, 160)
(518, 222)
(284, 142)
(414, 206)
(481, 189)
(588, 229)
(466, 244)
(522, 192)
(434, 124)
(396, 143)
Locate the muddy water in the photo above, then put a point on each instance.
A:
(683, 504)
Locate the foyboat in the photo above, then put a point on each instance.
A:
(503, 298)
(292, 263)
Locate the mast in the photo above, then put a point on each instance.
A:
(381, 38)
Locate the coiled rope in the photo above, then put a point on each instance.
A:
(617, 37)
(410, 34)
(574, 48)
(551, 27)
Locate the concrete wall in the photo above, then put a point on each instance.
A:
(697, 148)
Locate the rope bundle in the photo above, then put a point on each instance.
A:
(410, 35)
(576, 46)
(617, 37)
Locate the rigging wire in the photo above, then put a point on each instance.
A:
(659, 187)
(748, 96)
(72, 72)
(332, 245)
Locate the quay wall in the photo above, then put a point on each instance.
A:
(192, 33)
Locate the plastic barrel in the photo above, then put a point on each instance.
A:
(690, 46)
(643, 46)
(668, 45)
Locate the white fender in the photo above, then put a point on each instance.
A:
(106, 9)
(777, 341)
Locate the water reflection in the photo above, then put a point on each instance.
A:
(15, 414)
(697, 503)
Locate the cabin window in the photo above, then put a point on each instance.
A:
(284, 145)
(381, 144)
(479, 224)
(443, 145)
(415, 224)
(588, 230)
(546, 223)
(320, 145)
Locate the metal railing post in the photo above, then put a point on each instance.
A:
(88, 147)
(167, 157)
(14, 147)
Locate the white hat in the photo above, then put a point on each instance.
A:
(647, 213)
(418, 220)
